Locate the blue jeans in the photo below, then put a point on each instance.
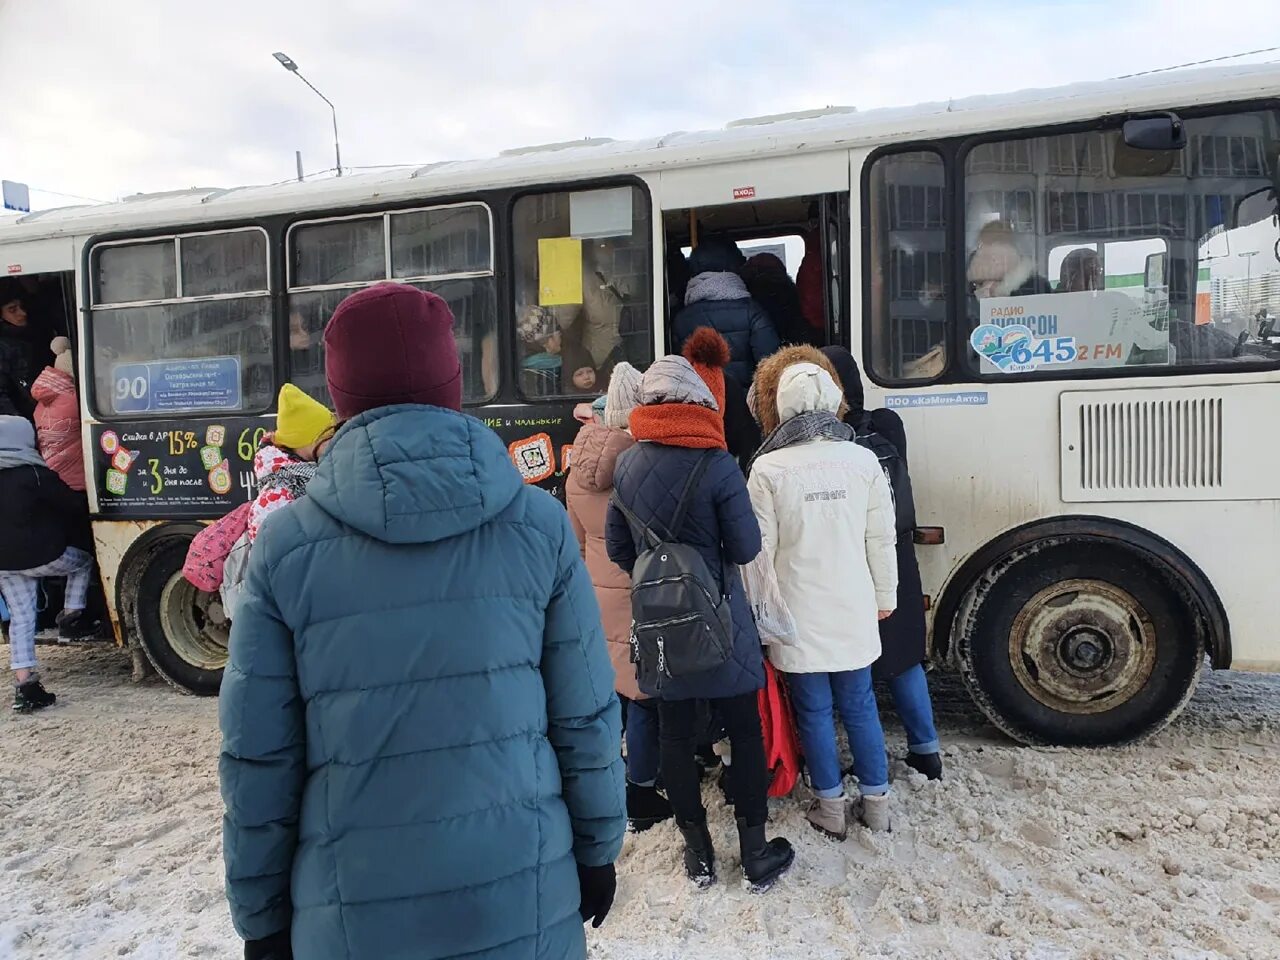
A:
(910, 692)
(642, 742)
(813, 697)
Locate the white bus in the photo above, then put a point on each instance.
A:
(1058, 291)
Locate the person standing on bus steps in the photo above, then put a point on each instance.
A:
(771, 286)
(57, 416)
(678, 422)
(595, 457)
(826, 522)
(903, 635)
(716, 297)
(23, 353)
(42, 534)
(421, 744)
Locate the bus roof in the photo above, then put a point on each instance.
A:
(808, 131)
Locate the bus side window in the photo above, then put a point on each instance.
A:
(906, 226)
(445, 250)
(158, 305)
(584, 285)
(1062, 232)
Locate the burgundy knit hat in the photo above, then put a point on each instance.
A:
(391, 343)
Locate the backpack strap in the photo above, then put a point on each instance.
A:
(682, 506)
(686, 496)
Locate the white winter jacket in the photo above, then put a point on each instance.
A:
(827, 521)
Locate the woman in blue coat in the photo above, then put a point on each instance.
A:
(680, 421)
(421, 742)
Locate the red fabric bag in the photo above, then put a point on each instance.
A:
(781, 745)
(211, 547)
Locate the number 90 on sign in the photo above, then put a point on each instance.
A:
(131, 388)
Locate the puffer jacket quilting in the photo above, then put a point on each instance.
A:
(421, 736)
(720, 524)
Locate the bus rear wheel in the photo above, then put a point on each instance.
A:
(182, 630)
(1076, 642)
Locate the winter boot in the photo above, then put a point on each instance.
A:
(76, 625)
(875, 813)
(31, 695)
(930, 764)
(645, 807)
(699, 855)
(829, 817)
(763, 861)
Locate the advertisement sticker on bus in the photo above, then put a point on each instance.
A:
(169, 469)
(1083, 330)
(211, 383)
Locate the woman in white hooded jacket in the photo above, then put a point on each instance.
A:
(827, 523)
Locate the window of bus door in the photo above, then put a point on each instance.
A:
(181, 324)
(906, 226)
(446, 250)
(583, 288)
(1085, 255)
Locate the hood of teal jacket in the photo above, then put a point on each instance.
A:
(414, 474)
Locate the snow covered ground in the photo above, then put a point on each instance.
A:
(109, 843)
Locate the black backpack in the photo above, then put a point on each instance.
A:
(680, 619)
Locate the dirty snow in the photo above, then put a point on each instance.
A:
(109, 843)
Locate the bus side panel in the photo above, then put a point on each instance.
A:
(112, 540)
(985, 458)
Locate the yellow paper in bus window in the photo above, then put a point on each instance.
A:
(559, 271)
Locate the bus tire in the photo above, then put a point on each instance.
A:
(181, 629)
(1077, 641)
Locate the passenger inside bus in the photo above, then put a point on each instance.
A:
(1081, 270)
(26, 328)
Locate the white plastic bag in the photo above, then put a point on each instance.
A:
(773, 620)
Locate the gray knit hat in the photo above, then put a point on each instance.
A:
(623, 396)
(673, 380)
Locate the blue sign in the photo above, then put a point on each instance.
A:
(971, 398)
(212, 383)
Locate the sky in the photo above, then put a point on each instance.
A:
(104, 99)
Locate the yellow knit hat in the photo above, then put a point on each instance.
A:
(301, 420)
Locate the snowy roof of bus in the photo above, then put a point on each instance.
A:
(581, 160)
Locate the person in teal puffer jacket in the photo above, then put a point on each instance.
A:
(421, 741)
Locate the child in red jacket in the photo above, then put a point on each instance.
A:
(57, 416)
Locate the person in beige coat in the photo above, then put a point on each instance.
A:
(595, 455)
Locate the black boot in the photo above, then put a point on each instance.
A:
(763, 861)
(725, 788)
(930, 764)
(31, 695)
(645, 807)
(699, 855)
(76, 625)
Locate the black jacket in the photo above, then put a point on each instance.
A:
(40, 516)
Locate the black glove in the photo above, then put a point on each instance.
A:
(598, 884)
(274, 947)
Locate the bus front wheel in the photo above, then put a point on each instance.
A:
(181, 629)
(1078, 642)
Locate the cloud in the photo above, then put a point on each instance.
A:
(107, 99)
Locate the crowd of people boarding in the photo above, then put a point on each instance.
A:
(44, 510)
(433, 664)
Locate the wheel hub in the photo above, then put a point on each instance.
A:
(1082, 646)
(194, 624)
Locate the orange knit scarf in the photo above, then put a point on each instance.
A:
(679, 425)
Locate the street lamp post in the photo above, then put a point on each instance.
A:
(286, 62)
(1248, 284)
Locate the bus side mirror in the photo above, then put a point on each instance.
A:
(1256, 207)
(1164, 132)
(1153, 275)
